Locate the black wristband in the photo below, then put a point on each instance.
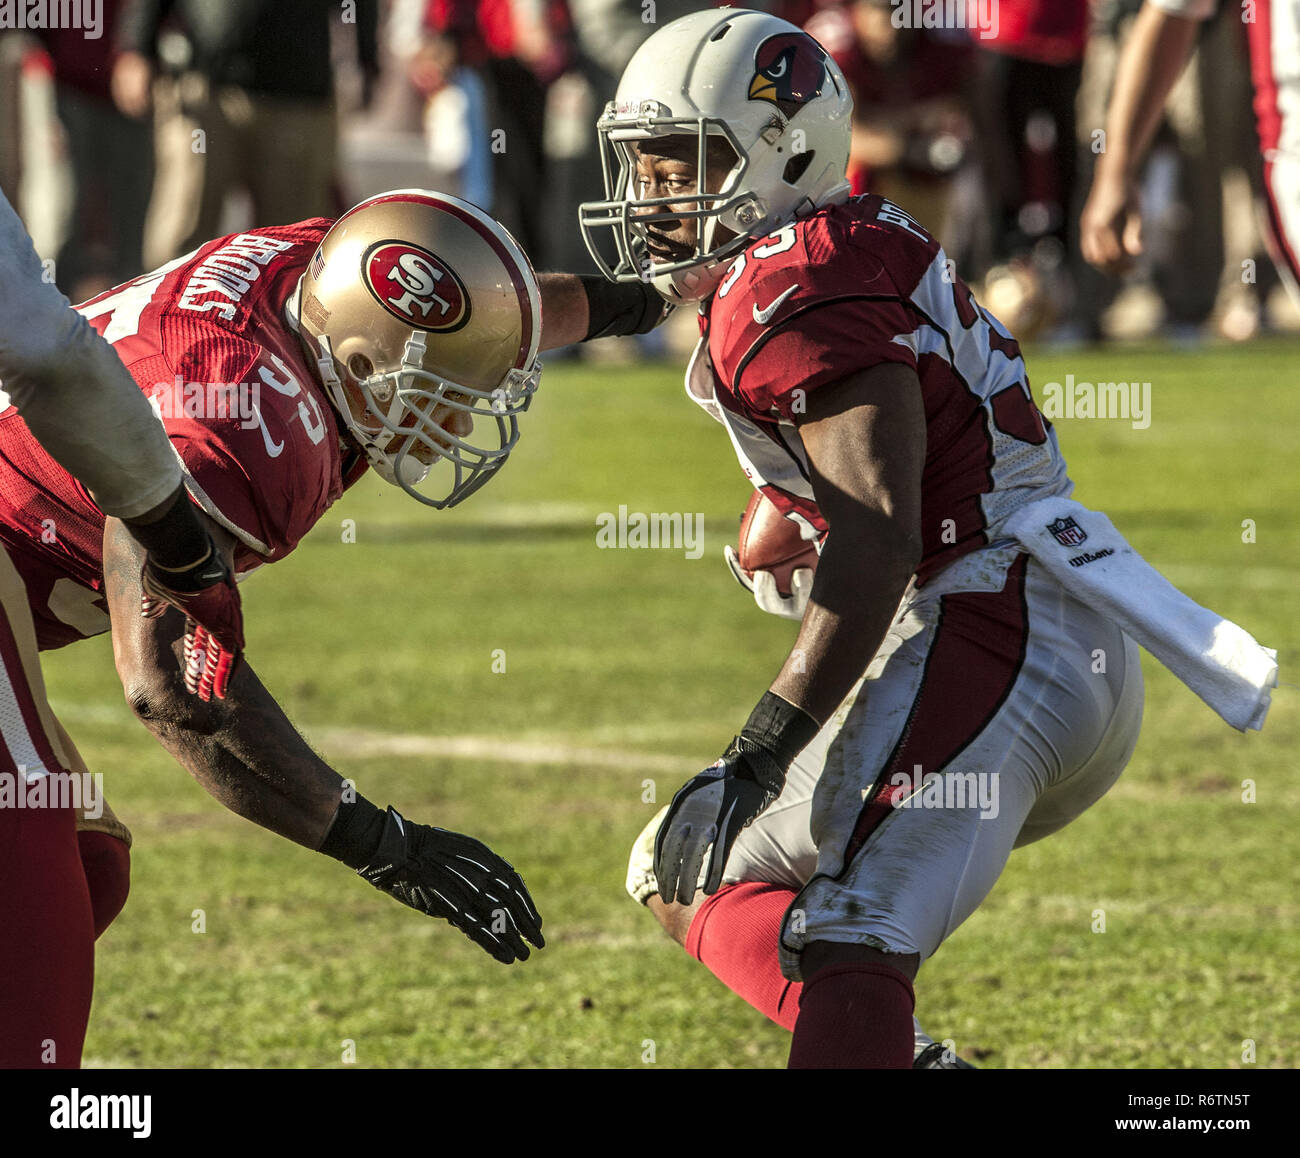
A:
(356, 833)
(780, 727)
(175, 540)
(616, 309)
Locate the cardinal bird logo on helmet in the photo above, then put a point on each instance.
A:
(790, 70)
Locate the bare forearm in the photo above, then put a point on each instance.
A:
(854, 599)
(252, 760)
(1152, 60)
(580, 307)
(564, 309)
(243, 749)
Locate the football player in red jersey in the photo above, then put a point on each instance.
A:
(282, 362)
(864, 390)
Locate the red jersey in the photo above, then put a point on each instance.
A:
(207, 339)
(848, 288)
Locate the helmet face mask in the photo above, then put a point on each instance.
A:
(747, 78)
(731, 209)
(423, 317)
(404, 426)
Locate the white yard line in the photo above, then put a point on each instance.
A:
(360, 743)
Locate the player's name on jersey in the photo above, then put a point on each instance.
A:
(1127, 401)
(675, 531)
(229, 273)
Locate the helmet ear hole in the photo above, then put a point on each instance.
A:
(360, 367)
(797, 166)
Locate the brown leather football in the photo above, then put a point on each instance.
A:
(771, 542)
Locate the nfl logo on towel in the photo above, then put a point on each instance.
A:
(1067, 532)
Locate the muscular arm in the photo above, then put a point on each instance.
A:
(579, 307)
(242, 749)
(244, 752)
(1153, 57)
(564, 309)
(865, 439)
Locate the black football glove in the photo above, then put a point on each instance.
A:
(459, 879)
(710, 810)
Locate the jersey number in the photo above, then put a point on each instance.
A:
(126, 306)
(778, 242)
(312, 420)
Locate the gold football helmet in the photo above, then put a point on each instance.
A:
(423, 316)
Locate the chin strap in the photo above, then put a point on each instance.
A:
(334, 385)
(325, 364)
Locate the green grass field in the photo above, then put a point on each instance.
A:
(624, 666)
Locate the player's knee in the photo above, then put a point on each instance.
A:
(107, 865)
(818, 955)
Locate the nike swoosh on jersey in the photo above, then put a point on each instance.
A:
(762, 317)
(273, 448)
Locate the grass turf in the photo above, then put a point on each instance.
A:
(655, 659)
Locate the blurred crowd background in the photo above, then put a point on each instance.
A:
(188, 119)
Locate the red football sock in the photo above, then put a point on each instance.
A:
(107, 864)
(47, 944)
(854, 1016)
(735, 933)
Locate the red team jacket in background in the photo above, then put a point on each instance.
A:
(215, 316)
(1048, 31)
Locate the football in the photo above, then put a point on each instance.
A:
(770, 542)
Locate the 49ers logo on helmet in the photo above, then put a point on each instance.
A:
(416, 286)
(789, 70)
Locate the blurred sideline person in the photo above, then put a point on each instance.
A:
(402, 337)
(110, 162)
(251, 106)
(912, 130)
(942, 703)
(1157, 49)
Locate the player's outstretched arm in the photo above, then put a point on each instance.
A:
(579, 307)
(244, 751)
(1157, 48)
(865, 439)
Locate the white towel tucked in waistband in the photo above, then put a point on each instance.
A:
(1219, 661)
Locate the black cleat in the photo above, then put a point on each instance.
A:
(936, 1057)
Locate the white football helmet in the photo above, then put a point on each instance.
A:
(424, 318)
(759, 83)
